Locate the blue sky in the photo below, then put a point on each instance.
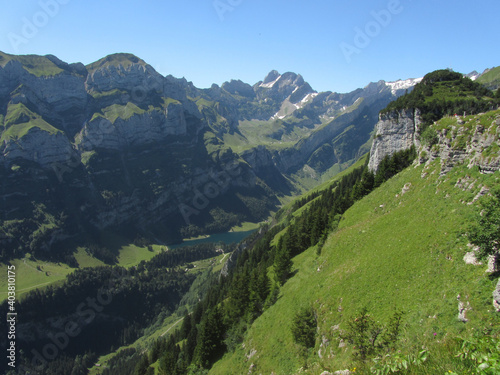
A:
(337, 45)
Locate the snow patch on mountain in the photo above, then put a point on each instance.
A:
(270, 84)
(403, 84)
(309, 97)
(473, 75)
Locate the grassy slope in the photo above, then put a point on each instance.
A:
(32, 274)
(28, 277)
(116, 60)
(19, 120)
(36, 65)
(406, 254)
(491, 79)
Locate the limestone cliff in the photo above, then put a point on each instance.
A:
(39, 146)
(395, 131)
(140, 128)
(473, 140)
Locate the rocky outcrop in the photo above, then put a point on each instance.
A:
(39, 146)
(60, 98)
(123, 72)
(466, 140)
(141, 128)
(395, 131)
(496, 297)
(237, 87)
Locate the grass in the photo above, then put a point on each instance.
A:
(167, 101)
(32, 274)
(391, 251)
(115, 111)
(266, 133)
(104, 94)
(245, 227)
(20, 120)
(20, 130)
(37, 65)
(491, 78)
(118, 59)
(131, 255)
(86, 260)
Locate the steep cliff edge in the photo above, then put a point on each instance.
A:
(395, 131)
(411, 119)
(472, 140)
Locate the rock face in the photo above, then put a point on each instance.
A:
(496, 297)
(141, 128)
(395, 131)
(116, 144)
(466, 140)
(132, 74)
(71, 98)
(462, 140)
(38, 146)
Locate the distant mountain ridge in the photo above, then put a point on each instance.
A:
(115, 145)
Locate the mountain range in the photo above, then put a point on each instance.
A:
(390, 266)
(116, 146)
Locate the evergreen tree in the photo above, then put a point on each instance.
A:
(168, 362)
(190, 345)
(259, 290)
(282, 263)
(304, 328)
(211, 344)
(485, 233)
(238, 297)
(142, 367)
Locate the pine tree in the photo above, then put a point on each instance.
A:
(238, 297)
(211, 339)
(304, 328)
(282, 263)
(142, 367)
(168, 362)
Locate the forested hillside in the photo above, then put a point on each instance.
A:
(375, 271)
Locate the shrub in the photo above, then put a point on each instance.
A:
(304, 328)
(370, 338)
(429, 136)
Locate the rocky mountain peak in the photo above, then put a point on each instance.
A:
(238, 87)
(473, 75)
(123, 71)
(289, 86)
(271, 77)
(116, 60)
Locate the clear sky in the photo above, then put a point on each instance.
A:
(336, 45)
